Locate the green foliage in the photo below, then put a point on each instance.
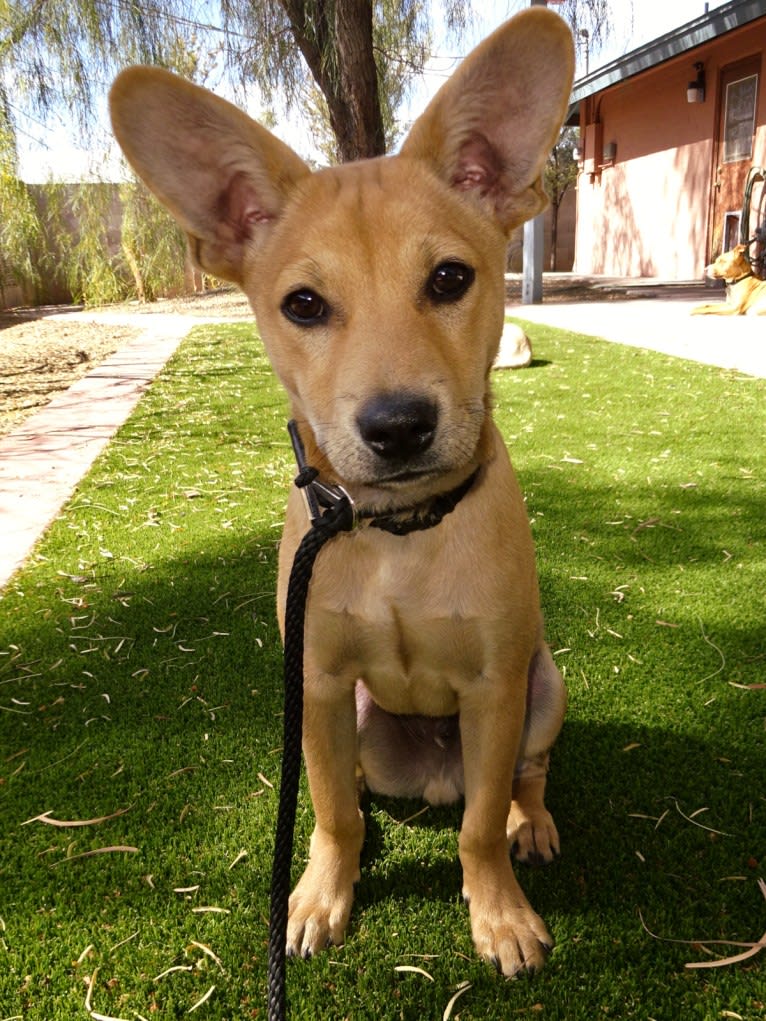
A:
(560, 173)
(152, 243)
(20, 229)
(402, 42)
(590, 22)
(140, 673)
(55, 58)
(58, 56)
(79, 222)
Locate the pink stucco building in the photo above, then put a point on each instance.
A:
(669, 136)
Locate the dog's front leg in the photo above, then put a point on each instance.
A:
(321, 902)
(506, 931)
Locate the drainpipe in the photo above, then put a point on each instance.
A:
(532, 280)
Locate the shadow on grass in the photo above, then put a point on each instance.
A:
(161, 694)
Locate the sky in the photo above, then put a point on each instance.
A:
(51, 151)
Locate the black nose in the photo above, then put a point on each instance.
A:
(398, 426)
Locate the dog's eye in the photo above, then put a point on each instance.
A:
(449, 281)
(305, 307)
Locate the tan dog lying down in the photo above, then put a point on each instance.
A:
(745, 293)
(379, 293)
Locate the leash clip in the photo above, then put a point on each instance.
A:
(322, 499)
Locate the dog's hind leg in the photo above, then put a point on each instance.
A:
(531, 830)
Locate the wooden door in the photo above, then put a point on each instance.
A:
(738, 98)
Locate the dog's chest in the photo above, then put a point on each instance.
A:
(403, 624)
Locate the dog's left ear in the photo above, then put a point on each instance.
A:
(490, 128)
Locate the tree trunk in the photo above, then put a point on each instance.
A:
(135, 269)
(336, 42)
(554, 233)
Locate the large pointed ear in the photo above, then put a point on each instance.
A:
(491, 126)
(221, 175)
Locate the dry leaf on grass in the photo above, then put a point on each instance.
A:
(47, 817)
(749, 949)
(415, 970)
(99, 850)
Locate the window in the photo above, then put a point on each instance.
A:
(739, 119)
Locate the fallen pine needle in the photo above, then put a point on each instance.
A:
(238, 859)
(209, 952)
(750, 949)
(123, 942)
(202, 910)
(99, 850)
(202, 1000)
(415, 970)
(169, 971)
(89, 992)
(712, 646)
(664, 814)
(46, 817)
(462, 988)
(693, 821)
(88, 1006)
(754, 948)
(84, 954)
(421, 811)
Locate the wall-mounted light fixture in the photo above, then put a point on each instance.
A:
(695, 91)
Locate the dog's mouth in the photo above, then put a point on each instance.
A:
(403, 478)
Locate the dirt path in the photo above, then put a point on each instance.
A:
(44, 351)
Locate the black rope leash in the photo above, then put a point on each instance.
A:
(331, 511)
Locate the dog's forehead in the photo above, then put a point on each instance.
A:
(380, 220)
(367, 185)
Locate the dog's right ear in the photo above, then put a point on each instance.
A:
(222, 176)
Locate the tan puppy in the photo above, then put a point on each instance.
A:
(379, 293)
(745, 293)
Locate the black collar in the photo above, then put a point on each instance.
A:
(731, 283)
(331, 505)
(422, 516)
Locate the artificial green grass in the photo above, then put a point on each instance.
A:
(140, 672)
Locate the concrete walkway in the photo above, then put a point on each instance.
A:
(42, 460)
(665, 325)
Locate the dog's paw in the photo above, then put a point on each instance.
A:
(319, 909)
(532, 838)
(509, 934)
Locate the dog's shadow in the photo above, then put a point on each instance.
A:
(410, 848)
(619, 793)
